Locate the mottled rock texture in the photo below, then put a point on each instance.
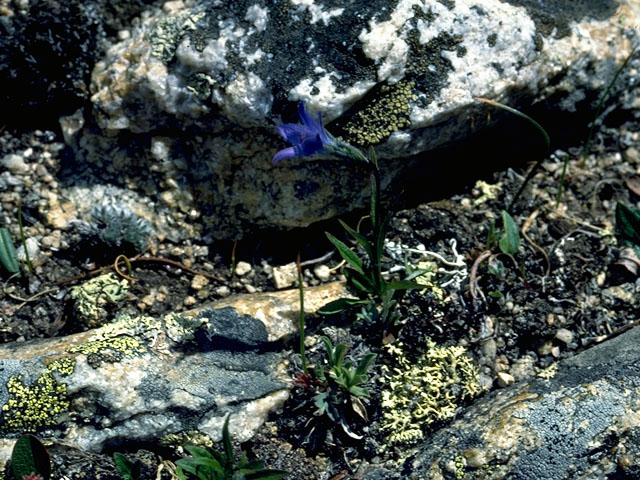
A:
(191, 98)
(47, 51)
(153, 379)
(581, 423)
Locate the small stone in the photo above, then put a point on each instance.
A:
(242, 268)
(189, 301)
(505, 379)
(285, 276)
(564, 335)
(545, 348)
(489, 349)
(223, 291)
(523, 368)
(199, 282)
(250, 288)
(322, 272)
(15, 164)
(475, 457)
(631, 155)
(555, 352)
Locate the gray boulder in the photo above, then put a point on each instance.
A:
(151, 379)
(580, 421)
(192, 97)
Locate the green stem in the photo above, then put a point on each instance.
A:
(587, 145)
(377, 224)
(23, 238)
(301, 321)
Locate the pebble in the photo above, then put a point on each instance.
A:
(564, 335)
(545, 348)
(523, 368)
(223, 291)
(322, 272)
(505, 379)
(15, 164)
(199, 282)
(631, 155)
(489, 349)
(285, 276)
(190, 301)
(242, 268)
(250, 288)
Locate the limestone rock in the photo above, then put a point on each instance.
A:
(581, 423)
(191, 97)
(142, 379)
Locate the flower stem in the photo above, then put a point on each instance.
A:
(301, 321)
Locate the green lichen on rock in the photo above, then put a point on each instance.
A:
(423, 391)
(176, 441)
(168, 31)
(36, 405)
(93, 296)
(118, 348)
(385, 112)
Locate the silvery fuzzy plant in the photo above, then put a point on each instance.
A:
(364, 275)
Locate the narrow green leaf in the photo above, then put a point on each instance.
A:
(267, 475)
(338, 355)
(359, 391)
(361, 239)
(340, 305)
(404, 285)
(628, 225)
(8, 256)
(360, 281)
(510, 240)
(346, 253)
(126, 468)
(226, 440)
(29, 455)
(365, 363)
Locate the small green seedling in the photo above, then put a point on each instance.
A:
(30, 459)
(8, 255)
(628, 226)
(510, 240)
(126, 468)
(209, 464)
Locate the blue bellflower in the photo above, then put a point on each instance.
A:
(307, 139)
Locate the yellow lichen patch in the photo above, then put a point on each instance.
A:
(549, 372)
(176, 441)
(91, 297)
(385, 114)
(37, 405)
(420, 392)
(127, 346)
(485, 192)
(428, 279)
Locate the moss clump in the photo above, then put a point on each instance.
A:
(425, 390)
(387, 112)
(92, 297)
(38, 404)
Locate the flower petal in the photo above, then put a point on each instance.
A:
(284, 154)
